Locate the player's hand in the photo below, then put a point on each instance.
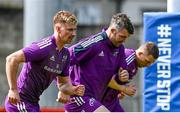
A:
(79, 90)
(62, 98)
(121, 95)
(13, 96)
(123, 75)
(130, 90)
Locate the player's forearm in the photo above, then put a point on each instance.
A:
(11, 70)
(66, 88)
(114, 85)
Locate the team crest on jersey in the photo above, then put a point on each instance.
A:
(115, 53)
(64, 58)
(91, 101)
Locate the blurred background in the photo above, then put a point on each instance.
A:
(25, 21)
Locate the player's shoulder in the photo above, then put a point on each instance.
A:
(45, 42)
(130, 55)
(92, 40)
(129, 51)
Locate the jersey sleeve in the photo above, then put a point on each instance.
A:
(34, 52)
(131, 62)
(80, 54)
(85, 50)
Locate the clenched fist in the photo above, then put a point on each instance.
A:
(63, 98)
(123, 75)
(79, 90)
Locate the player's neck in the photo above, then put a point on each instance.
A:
(108, 32)
(58, 42)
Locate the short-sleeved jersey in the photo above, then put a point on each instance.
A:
(43, 63)
(110, 98)
(131, 62)
(93, 63)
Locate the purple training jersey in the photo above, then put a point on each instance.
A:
(44, 62)
(94, 61)
(110, 99)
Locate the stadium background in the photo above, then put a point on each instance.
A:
(23, 21)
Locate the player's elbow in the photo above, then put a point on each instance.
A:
(16, 57)
(8, 58)
(11, 59)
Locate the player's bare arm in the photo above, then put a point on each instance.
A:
(62, 98)
(67, 88)
(114, 85)
(123, 75)
(129, 90)
(12, 64)
(121, 95)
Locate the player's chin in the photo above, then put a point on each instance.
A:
(69, 42)
(117, 45)
(141, 66)
(121, 42)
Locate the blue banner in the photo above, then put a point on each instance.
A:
(162, 79)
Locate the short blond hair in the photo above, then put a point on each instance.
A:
(65, 17)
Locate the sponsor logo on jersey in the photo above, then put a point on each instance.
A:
(47, 68)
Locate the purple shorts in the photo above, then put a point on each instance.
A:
(82, 104)
(21, 107)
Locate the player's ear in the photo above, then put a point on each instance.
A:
(113, 30)
(140, 53)
(58, 28)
